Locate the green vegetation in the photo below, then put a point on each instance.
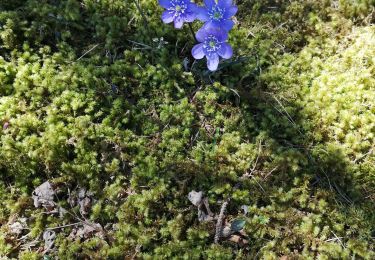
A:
(99, 103)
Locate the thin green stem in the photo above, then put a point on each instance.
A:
(144, 18)
(192, 32)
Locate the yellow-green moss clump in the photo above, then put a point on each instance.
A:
(98, 106)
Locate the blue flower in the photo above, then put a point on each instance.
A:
(217, 14)
(178, 11)
(213, 43)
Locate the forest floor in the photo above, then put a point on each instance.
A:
(115, 143)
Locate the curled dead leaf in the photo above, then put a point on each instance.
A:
(49, 237)
(195, 197)
(204, 211)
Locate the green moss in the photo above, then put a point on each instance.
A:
(91, 98)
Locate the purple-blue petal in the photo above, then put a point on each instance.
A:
(201, 34)
(224, 3)
(220, 34)
(225, 51)
(178, 22)
(167, 16)
(189, 17)
(231, 11)
(202, 14)
(215, 30)
(165, 3)
(209, 3)
(197, 51)
(192, 7)
(212, 62)
(227, 25)
(211, 25)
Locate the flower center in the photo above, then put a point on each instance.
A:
(178, 7)
(211, 45)
(216, 13)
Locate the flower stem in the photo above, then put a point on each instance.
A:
(141, 11)
(144, 18)
(192, 32)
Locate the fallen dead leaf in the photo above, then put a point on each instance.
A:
(43, 196)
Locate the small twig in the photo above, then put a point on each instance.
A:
(333, 239)
(137, 250)
(219, 223)
(64, 226)
(284, 112)
(346, 198)
(364, 156)
(87, 52)
(205, 203)
(249, 174)
(48, 248)
(339, 239)
(268, 174)
(259, 185)
(145, 46)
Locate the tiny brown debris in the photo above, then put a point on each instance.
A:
(87, 230)
(18, 226)
(84, 201)
(240, 241)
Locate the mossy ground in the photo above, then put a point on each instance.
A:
(94, 97)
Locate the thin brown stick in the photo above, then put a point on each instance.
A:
(219, 223)
(64, 226)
